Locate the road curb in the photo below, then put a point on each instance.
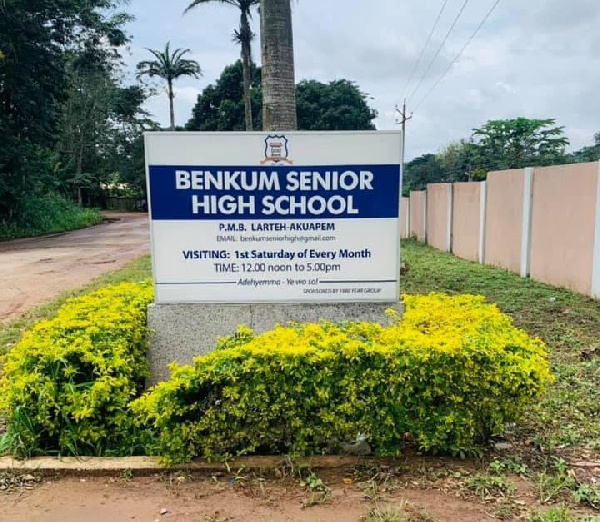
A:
(140, 466)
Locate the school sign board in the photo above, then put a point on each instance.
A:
(259, 217)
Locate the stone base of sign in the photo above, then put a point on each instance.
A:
(180, 332)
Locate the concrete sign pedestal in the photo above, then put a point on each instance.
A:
(181, 332)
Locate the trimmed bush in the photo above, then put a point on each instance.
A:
(67, 384)
(450, 373)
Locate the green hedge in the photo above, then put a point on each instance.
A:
(67, 384)
(452, 372)
(47, 215)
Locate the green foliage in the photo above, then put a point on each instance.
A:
(220, 106)
(67, 384)
(485, 485)
(313, 482)
(521, 142)
(566, 321)
(554, 481)
(462, 161)
(497, 145)
(405, 513)
(318, 492)
(451, 372)
(46, 215)
(559, 514)
(508, 465)
(101, 139)
(37, 41)
(11, 331)
(169, 65)
(587, 494)
(421, 171)
(244, 36)
(586, 154)
(338, 105)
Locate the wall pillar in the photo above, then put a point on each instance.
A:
(450, 218)
(425, 216)
(596, 262)
(526, 225)
(407, 214)
(482, 218)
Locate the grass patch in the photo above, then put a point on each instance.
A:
(567, 322)
(559, 514)
(405, 513)
(11, 331)
(49, 214)
(488, 486)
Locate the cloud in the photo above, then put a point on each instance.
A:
(537, 58)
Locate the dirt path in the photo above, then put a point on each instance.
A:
(419, 489)
(220, 500)
(35, 270)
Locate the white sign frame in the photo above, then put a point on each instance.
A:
(180, 148)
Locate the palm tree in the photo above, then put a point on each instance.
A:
(169, 66)
(244, 37)
(278, 82)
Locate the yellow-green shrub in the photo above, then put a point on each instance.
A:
(67, 384)
(451, 372)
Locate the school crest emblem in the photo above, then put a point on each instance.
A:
(276, 150)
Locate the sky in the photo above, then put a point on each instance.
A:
(532, 58)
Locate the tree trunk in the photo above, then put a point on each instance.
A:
(278, 81)
(246, 37)
(79, 168)
(171, 108)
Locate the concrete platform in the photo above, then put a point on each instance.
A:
(181, 332)
(145, 466)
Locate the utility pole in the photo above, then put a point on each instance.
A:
(403, 118)
(402, 121)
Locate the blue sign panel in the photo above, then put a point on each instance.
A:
(274, 192)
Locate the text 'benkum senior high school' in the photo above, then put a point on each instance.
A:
(293, 181)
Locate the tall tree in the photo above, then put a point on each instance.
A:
(220, 106)
(169, 66)
(521, 142)
(462, 161)
(101, 121)
(278, 77)
(244, 37)
(338, 105)
(420, 171)
(37, 38)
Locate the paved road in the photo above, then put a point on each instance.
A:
(35, 270)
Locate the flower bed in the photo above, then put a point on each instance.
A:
(447, 375)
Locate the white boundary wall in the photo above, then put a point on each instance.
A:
(568, 206)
